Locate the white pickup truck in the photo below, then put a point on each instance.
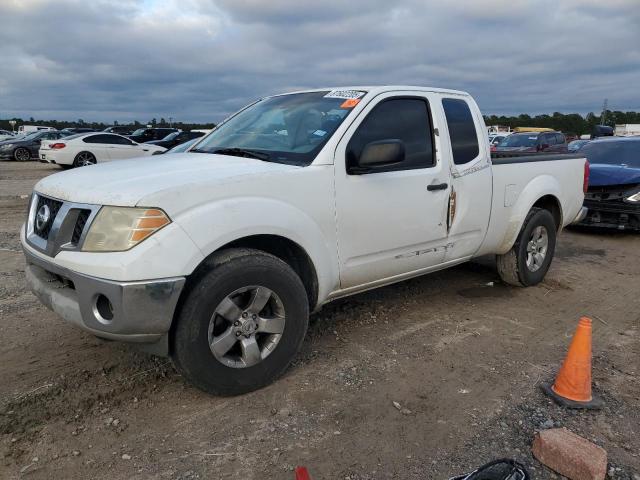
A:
(216, 256)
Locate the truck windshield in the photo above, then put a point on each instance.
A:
(522, 140)
(285, 129)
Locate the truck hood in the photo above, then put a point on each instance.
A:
(126, 182)
(603, 174)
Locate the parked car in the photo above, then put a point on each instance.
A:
(613, 197)
(548, 142)
(216, 256)
(6, 135)
(494, 140)
(176, 138)
(74, 130)
(576, 145)
(602, 131)
(120, 129)
(26, 147)
(90, 148)
(183, 147)
(147, 134)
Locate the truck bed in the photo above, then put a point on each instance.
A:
(506, 158)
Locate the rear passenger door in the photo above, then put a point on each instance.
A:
(391, 220)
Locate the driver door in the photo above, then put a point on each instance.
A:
(391, 221)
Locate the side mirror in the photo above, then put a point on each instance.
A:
(379, 154)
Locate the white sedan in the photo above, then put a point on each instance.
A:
(91, 148)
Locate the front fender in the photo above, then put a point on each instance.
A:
(235, 218)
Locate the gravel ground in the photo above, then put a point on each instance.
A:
(461, 354)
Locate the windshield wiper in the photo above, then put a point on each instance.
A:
(242, 152)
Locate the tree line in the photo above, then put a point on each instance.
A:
(564, 122)
(569, 123)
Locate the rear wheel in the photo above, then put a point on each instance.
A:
(22, 154)
(241, 323)
(84, 159)
(530, 257)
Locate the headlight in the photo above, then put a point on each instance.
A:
(116, 229)
(635, 198)
(6, 146)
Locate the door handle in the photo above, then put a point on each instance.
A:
(437, 186)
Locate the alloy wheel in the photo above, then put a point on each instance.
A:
(537, 247)
(246, 326)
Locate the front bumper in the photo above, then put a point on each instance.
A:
(618, 215)
(139, 312)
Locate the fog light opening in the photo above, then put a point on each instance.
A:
(103, 309)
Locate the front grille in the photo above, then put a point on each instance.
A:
(81, 222)
(42, 228)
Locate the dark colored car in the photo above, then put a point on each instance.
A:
(183, 147)
(120, 129)
(176, 138)
(602, 131)
(613, 196)
(548, 142)
(143, 135)
(26, 148)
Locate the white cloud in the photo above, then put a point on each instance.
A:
(201, 59)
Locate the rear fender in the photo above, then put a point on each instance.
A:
(539, 187)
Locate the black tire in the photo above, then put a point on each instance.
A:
(83, 159)
(226, 272)
(512, 266)
(22, 154)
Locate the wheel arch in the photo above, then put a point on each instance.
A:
(279, 246)
(552, 204)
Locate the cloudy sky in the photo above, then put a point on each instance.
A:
(198, 60)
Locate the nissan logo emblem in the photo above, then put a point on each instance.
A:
(42, 217)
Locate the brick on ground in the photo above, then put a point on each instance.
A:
(570, 455)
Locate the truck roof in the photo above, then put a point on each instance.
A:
(377, 89)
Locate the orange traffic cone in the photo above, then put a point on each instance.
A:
(573, 384)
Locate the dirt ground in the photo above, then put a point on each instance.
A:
(462, 354)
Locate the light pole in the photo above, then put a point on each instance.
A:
(170, 122)
(13, 125)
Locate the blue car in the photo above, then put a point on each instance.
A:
(613, 197)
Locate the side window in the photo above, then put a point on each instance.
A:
(404, 119)
(549, 139)
(560, 138)
(98, 139)
(121, 140)
(462, 130)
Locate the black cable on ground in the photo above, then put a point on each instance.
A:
(501, 469)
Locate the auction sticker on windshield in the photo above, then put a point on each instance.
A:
(345, 94)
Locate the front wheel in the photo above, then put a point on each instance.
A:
(529, 259)
(241, 324)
